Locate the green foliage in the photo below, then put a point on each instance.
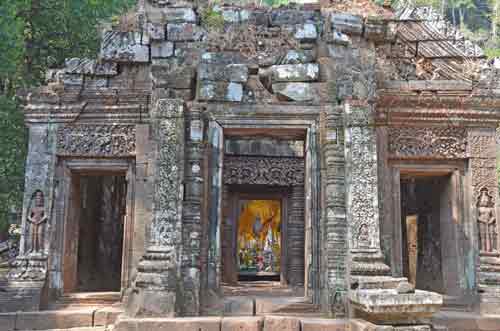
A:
(212, 19)
(492, 52)
(277, 3)
(36, 35)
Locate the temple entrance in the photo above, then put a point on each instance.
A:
(427, 227)
(94, 233)
(259, 240)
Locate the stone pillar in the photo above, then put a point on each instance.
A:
(191, 221)
(155, 289)
(482, 163)
(295, 237)
(27, 278)
(335, 232)
(362, 192)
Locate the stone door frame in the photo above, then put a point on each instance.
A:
(283, 119)
(66, 172)
(459, 177)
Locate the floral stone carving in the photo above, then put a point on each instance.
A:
(263, 170)
(445, 142)
(96, 140)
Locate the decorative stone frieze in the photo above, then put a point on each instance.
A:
(96, 140)
(419, 142)
(282, 171)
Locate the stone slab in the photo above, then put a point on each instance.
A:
(169, 324)
(362, 325)
(323, 324)
(124, 47)
(179, 15)
(242, 323)
(184, 32)
(162, 49)
(55, 319)
(227, 73)
(281, 323)
(7, 321)
(106, 316)
(278, 304)
(299, 92)
(348, 23)
(238, 306)
(172, 75)
(295, 72)
(220, 91)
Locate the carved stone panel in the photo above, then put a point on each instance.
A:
(96, 140)
(445, 142)
(280, 171)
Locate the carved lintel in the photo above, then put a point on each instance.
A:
(281, 171)
(439, 142)
(96, 140)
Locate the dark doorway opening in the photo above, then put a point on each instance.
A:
(100, 215)
(425, 209)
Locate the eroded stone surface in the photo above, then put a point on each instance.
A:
(281, 323)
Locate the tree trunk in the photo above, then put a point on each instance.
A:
(494, 21)
(453, 17)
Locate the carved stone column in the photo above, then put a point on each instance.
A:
(362, 193)
(482, 153)
(295, 237)
(335, 228)
(155, 291)
(29, 274)
(191, 221)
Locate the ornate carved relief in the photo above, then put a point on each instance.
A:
(36, 221)
(446, 142)
(96, 140)
(282, 171)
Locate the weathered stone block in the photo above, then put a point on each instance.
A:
(299, 92)
(255, 16)
(227, 73)
(294, 72)
(375, 28)
(323, 324)
(238, 306)
(7, 321)
(72, 80)
(162, 49)
(185, 32)
(179, 15)
(223, 58)
(173, 75)
(79, 66)
(337, 37)
(106, 316)
(298, 57)
(168, 324)
(242, 323)
(306, 32)
(281, 323)
(348, 23)
(46, 320)
(220, 91)
(293, 16)
(156, 31)
(124, 47)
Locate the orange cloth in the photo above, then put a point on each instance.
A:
(269, 212)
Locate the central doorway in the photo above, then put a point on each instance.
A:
(259, 240)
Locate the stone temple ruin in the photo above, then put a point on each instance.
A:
(304, 169)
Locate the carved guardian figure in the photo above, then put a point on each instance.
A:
(487, 223)
(36, 220)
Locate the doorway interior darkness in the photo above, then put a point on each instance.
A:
(425, 215)
(93, 261)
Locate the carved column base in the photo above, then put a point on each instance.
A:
(154, 292)
(489, 283)
(369, 263)
(31, 267)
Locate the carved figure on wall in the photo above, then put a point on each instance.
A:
(36, 220)
(363, 236)
(486, 222)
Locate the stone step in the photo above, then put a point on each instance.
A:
(250, 306)
(59, 319)
(255, 323)
(96, 328)
(85, 299)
